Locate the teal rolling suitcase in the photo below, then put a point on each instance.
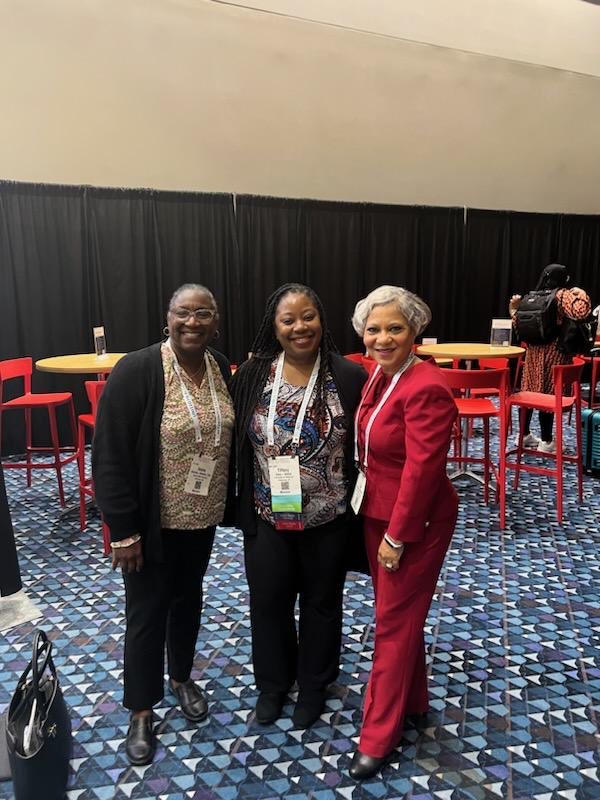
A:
(590, 440)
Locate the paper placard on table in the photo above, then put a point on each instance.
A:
(99, 341)
(501, 332)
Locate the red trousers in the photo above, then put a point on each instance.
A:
(398, 682)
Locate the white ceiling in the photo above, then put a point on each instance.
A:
(556, 33)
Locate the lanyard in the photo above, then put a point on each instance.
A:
(305, 401)
(187, 399)
(397, 375)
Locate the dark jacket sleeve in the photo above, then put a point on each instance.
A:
(350, 379)
(229, 514)
(240, 511)
(121, 412)
(223, 363)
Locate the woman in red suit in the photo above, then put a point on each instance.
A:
(403, 428)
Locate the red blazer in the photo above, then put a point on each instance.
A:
(407, 485)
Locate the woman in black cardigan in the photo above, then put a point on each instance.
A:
(160, 464)
(294, 402)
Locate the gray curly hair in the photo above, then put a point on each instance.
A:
(413, 309)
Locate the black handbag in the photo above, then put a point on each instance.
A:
(38, 731)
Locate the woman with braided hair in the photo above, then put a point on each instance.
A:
(294, 401)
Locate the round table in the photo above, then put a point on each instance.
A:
(443, 362)
(469, 351)
(79, 363)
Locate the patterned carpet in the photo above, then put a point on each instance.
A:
(513, 659)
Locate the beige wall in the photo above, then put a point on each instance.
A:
(556, 33)
(187, 94)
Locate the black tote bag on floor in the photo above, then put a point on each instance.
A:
(38, 731)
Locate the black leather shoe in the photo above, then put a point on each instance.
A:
(140, 742)
(194, 705)
(363, 766)
(268, 706)
(309, 708)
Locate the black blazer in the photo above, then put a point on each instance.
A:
(349, 379)
(126, 448)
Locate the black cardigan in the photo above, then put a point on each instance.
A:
(126, 448)
(349, 379)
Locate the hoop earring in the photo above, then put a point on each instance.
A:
(165, 331)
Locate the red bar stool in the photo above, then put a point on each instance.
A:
(566, 377)
(86, 422)
(12, 369)
(86, 486)
(366, 362)
(594, 360)
(465, 381)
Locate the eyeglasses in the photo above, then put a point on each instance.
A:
(199, 314)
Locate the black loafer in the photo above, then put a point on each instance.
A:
(140, 743)
(309, 708)
(194, 705)
(268, 706)
(363, 766)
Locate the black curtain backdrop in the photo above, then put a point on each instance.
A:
(271, 247)
(579, 249)
(75, 257)
(420, 248)
(344, 250)
(506, 251)
(144, 245)
(46, 285)
(311, 242)
(504, 255)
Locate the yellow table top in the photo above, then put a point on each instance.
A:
(80, 362)
(469, 350)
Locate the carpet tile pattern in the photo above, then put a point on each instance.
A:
(513, 638)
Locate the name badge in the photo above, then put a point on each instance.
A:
(200, 475)
(286, 492)
(359, 492)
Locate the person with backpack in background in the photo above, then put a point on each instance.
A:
(542, 319)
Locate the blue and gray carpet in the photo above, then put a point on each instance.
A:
(513, 658)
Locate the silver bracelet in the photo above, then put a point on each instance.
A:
(392, 543)
(126, 542)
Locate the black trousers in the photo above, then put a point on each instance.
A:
(546, 423)
(163, 605)
(282, 566)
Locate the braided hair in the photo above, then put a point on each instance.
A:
(247, 391)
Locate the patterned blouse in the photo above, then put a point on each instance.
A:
(321, 452)
(179, 509)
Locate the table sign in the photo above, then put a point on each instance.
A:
(429, 340)
(501, 332)
(99, 341)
